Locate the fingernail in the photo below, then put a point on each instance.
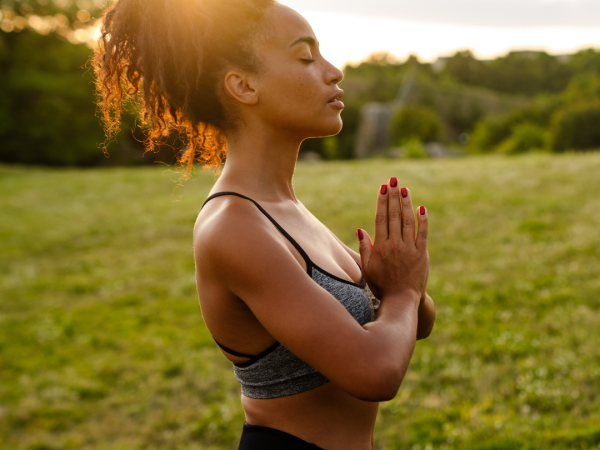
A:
(383, 189)
(394, 182)
(404, 192)
(359, 233)
(422, 210)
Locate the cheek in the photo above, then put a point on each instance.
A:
(293, 96)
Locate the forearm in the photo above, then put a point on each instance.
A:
(395, 331)
(426, 316)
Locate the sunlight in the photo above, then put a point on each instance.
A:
(342, 43)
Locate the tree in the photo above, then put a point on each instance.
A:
(464, 68)
(415, 122)
(47, 100)
(576, 127)
(69, 20)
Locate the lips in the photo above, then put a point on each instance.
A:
(336, 97)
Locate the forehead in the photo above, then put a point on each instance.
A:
(286, 26)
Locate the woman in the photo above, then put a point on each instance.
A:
(284, 298)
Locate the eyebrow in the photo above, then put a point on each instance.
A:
(309, 40)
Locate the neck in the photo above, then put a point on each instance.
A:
(260, 164)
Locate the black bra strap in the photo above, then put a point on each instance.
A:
(262, 354)
(233, 352)
(309, 264)
(252, 358)
(308, 261)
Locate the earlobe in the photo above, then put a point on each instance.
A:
(238, 87)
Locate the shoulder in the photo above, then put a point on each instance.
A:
(224, 219)
(222, 215)
(231, 233)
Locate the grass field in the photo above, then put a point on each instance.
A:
(102, 345)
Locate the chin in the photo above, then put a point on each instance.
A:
(328, 128)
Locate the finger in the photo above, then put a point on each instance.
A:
(365, 247)
(381, 216)
(408, 216)
(423, 219)
(394, 211)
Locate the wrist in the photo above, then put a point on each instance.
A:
(406, 295)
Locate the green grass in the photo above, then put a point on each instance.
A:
(102, 345)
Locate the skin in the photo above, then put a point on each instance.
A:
(252, 283)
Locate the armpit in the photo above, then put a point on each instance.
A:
(374, 302)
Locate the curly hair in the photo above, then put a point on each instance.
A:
(168, 59)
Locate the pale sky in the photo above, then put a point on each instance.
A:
(349, 30)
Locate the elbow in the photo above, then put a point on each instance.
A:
(381, 384)
(424, 335)
(388, 383)
(428, 320)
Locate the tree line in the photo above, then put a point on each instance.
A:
(514, 103)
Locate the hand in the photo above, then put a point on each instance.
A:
(396, 260)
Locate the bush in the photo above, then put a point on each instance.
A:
(415, 122)
(47, 110)
(525, 137)
(493, 132)
(413, 149)
(582, 87)
(576, 127)
(488, 134)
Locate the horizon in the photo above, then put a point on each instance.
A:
(402, 29)
(342, 45)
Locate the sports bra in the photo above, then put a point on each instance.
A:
(277, 372)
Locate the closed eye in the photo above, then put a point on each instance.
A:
(307, 60)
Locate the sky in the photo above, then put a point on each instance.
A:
(349, 30)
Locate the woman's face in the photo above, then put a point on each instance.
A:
(297, 83)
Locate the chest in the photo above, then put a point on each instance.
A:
(320, 244)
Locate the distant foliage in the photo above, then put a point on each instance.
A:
(519, 72)
(47, 111)
(524, 137)
(583, 87)
(490, 133)
(576, 127)
(461, 107)
(415, 122)
(413, 149)
(465, 68)
(67, 20)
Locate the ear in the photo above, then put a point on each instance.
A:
(239, 86)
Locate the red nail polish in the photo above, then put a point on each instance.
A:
(422, 210)
(404, 192)
(383, 189)
(394, 182)
(360, 234)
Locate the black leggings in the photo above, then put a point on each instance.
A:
(255, 437)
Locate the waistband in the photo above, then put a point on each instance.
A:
(256, 437)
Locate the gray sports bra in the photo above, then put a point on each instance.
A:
(277, 372)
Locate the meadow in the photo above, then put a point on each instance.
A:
(102, 344)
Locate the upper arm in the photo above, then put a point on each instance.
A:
(256, 265)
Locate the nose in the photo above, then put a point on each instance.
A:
(334, 75)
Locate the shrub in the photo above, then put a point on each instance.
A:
(525, 137)
(576, 127)
(582, 87)
(491, 133)
(415, 122)
(413, 149)
(488, 134)
(331, 147)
